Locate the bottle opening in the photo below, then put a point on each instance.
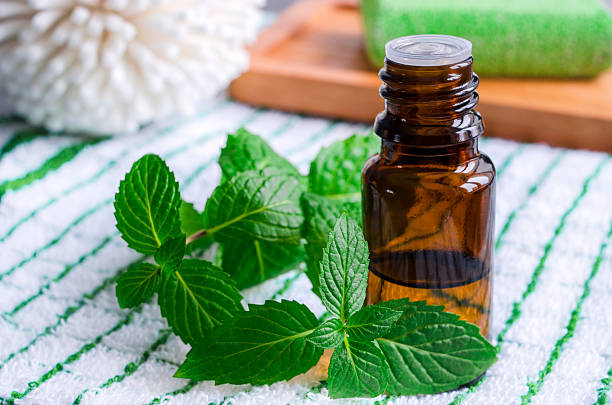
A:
(428, 50)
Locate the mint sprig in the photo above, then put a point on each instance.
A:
(256, 219)
(194, 295)
(357, 367)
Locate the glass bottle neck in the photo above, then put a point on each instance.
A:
(429, 106)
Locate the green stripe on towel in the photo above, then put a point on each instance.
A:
(53, 163)
(21, 137)
(534, 388)
(602, 392)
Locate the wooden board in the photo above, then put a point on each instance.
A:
(312, 60)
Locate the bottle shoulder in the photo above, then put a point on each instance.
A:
(475, 174)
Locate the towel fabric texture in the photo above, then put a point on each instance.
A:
(64, 340)
(546, 38)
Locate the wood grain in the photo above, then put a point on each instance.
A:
(312, 61)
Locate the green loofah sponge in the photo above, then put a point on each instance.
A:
(554, 38)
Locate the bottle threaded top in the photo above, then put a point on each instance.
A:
(428, 50)
(429, 88)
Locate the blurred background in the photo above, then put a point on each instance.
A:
(109, 67)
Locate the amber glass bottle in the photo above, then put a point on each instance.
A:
(429, 195)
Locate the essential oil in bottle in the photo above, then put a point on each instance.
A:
(429, 195)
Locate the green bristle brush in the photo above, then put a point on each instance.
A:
(545, 38)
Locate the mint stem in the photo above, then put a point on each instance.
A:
(195, 236)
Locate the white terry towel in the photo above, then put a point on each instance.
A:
(63, 337)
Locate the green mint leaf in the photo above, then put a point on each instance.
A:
(251, 262)
(170, 254)
(320, 215)
(245, 151)
(193, 221)
(336, 171)
(328, 335)
(375, 320)
(357, 369)
(431, 351)
(261, 346)
(137, 284)
(344, 269)
(146, 206)
(196, 297)
(260, 205)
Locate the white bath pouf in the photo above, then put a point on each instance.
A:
(107, 66)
